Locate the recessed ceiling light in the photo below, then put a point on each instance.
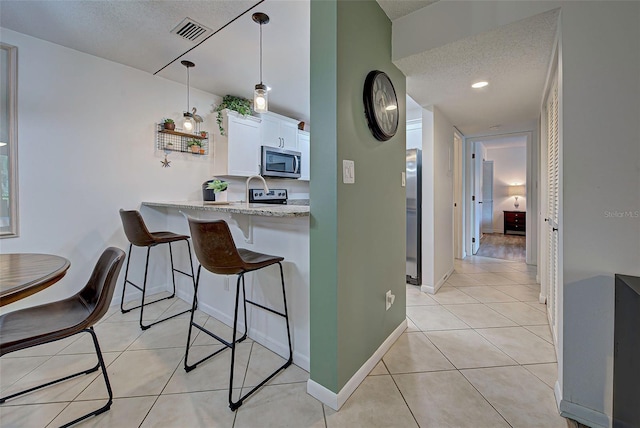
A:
(495, 127)
(479, 85)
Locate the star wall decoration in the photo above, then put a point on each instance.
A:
(165, 163)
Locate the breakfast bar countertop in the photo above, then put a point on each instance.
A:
(291, 210)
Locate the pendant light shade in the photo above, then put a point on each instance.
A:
(187, 120)
(260, 98)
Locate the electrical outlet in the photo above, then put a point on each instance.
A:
(389, 299)
(404, 179)
(226, 284)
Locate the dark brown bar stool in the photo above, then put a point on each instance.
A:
(138, 235)
(53, 321)
(217, 253)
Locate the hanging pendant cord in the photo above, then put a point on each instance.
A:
(187, 89)
(261, 53)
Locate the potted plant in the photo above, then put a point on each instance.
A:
(168, 124)
(194, 145)
(237, 104)
(211, 187)
(169, 146)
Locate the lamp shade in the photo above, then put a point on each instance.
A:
(517, 190)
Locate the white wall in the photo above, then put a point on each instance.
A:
(509, 167)
(437, 201)
(414, 134)
(428, 192)
(86, 149)
(600, 107)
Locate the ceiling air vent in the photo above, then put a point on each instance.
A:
(190, 30)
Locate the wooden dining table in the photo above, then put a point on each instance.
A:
(22, 275)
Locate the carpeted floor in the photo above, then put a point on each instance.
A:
(499, 246)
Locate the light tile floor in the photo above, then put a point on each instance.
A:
(477, 354)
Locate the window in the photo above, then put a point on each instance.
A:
(8, 141)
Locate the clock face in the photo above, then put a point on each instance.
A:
(380, 105)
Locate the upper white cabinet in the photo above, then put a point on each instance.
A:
(304, 148)
(238, 152)
(279, 131)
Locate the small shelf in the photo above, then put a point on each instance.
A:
(182, 134)
(179, 141)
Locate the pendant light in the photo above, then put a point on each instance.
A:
(260, 100)
(187, 121)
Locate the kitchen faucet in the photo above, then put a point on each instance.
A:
(264, 184)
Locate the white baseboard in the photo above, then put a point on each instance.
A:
(579, 413)
(434, 289)
(335, 401)
(542, 298)
(279, 348)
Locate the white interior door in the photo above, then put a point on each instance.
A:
(487, 197)
(553, 198)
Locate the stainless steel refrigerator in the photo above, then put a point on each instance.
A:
(414, 216)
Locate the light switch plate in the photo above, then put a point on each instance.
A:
(404, 179)
(348, 171)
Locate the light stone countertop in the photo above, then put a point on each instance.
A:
(293, 210)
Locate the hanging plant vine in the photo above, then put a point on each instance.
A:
(238, 104)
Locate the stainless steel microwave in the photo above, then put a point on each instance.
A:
(280, 163)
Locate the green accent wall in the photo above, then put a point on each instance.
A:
(358, 231)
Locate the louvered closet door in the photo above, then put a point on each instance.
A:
(553, 208)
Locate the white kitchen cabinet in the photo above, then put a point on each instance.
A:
(304, 148)
(279, 131)
(238, 152)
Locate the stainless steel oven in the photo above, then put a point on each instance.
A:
(280, 163)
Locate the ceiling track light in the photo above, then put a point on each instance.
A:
(260, 97)
(188, 122)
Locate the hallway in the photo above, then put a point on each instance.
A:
(500, 246)
(477, 354)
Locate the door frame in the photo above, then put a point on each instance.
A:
(473, 174)
(532, 193)
(459, 250)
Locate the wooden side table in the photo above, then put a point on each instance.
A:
(515, 221)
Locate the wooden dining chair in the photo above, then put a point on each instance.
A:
(58, 320)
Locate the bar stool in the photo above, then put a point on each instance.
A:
(217, 253)
(138, 235)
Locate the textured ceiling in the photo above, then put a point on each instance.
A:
(137, 34)
(399, 8)
(514, 60)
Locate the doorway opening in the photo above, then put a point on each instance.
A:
(498, 184)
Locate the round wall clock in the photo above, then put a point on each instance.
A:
(380, 105)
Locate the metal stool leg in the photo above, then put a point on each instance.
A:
(235, 405)
(188, 367)
(126, 279)
(99, 365)
(286, 314)
(144, 290)
(144, 285)
(193, 311)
